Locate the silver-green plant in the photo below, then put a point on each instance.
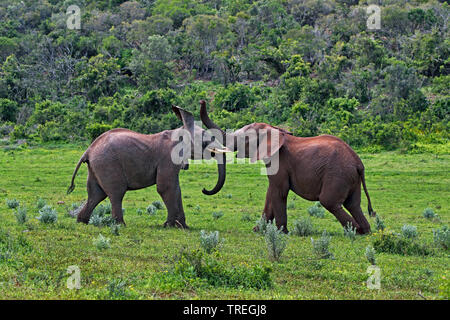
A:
(102, 243)
(210, 241)
(429, 213)
(217, 214)
(350, 231)
(151, 209)
(276, 241)
(47, 215)
(370, 254)
(261, 224)
(197, 209)
(321, 246)
(303, 227)
(379, 224)
(74, 209)
(441, 237)
(409, 231)
(316, 210)
(158, 204)
(12, 203)
(40, 203)
(21, 214)
(115, 229)
(140, 211)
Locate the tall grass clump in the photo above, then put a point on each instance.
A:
(379, 223)
(210, 241)
(47, 215)
(21, 215)
(303, 227)
(261, 224)
(321, 246)
(276, 241)
(316, 210)
(12, 203)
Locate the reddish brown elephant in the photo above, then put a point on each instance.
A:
(322, 168)
(121, 160)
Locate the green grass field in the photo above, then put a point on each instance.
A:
(35, 256)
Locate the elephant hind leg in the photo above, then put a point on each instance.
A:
(353, 205)
(332, 197)
(95, 196)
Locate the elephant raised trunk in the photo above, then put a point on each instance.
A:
(221, 162)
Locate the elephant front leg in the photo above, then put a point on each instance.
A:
(275, 207)
(169, 190)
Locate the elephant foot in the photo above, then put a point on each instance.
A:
(362, 231)
(176, 223)
(82, 220)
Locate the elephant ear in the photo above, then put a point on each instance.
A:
(187, 118)
(270, 140)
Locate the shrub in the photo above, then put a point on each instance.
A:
(40, 203)
(379, 224)
(21, 215)
(102, 243)
(261, 224)
(217, 214)
(158, 204)
(370, 254)
(350, 231)
(100, 220)
(74, 209)
(276, 241)
(316, 210)
(47, 215)
(115, 228)
(246, 217)
(210, 241)
(429, 213)
(12, 203)
(96, 129)
(151, 209)
(389, 242)
(116, 288)
(303, 227)
(198, 269)
(321, 246)
(409, 231)
(234, 97)
(140, 211)
(441, 237)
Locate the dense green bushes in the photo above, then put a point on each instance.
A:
(309, 67)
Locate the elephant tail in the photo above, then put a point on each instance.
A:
(72, 185)
(363, 180)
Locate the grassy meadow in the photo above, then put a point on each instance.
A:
(34, 256)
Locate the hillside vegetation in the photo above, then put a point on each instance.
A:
(308, 66)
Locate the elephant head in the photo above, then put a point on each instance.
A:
(257, 141)
(204, 145)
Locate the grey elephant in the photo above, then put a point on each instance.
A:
(120, 160)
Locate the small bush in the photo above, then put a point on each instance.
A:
(429, 213)
(276, 241)
(40, 203)
(158, 204)
(350, 231)
(12, 203)
(151, 209)
(321, 246)
(140, 211)
(47, 215)
(117, 288)
(379, 224)
(21, 215)
(210, 241)
(217, 214)
(303, 227)
(115, 229)
(316, 210)
(370, 254)
(74, 209)
(409, 231)
(389, 242)
(102, 243)
(441, 237)
(261, 224)
(100, 220)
